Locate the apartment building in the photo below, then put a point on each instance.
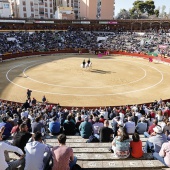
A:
(32, 8)
(96, 9)
(107, 9)
(64, 13)
(5, 10)
(82, 9)
(90, 9)
(69, 3)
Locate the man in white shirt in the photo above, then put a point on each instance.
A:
(104, 112)
(139, 115)
(134, 108)
(121, 115)
(6, 147)
(24, 113)
(38, 155)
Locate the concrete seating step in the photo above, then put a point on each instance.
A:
(79, 137)
(82, 140)
(107, 156)
(91, 150)
(87, 145)
(95, 156)
(121, 164)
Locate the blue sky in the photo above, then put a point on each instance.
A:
(127, 4)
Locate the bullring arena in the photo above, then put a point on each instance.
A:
(111, 81)
(46, 57)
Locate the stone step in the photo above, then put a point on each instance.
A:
(91, 150)
(121, 164)
(79, 137)
(87, 145)
(95, 156)
(106, 156)
(81, 140)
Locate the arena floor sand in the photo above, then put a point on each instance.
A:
(112, 80)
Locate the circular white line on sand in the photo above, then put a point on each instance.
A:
(81, 87)
(89, 95)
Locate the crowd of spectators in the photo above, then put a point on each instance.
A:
(147, 42)
(20, 121)
(29, 124)
(14, 42)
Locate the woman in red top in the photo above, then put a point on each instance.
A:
(136, 146)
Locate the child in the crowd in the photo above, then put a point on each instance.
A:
(136, 146)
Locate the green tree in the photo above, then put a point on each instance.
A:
(137, 9)
(141, 8)
(157, 13)
(149, 7)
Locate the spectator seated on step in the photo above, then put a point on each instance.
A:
(97, 126)
(105, 133)
(130, 126)
(121, 144)
(54, 126)
(22, 137)
(141, 126)
(136, 146)
(69, 126)
(115, 125)
(63, 157)
(163, 155)
(38, 154)
(154, 142)
(85, 128)
(150, 129)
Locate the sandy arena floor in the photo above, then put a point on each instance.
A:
(112, 80)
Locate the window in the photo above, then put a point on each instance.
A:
(25, 15)
(24, 8)
(23, 3)
(41, 11)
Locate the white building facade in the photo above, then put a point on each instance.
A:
(90, 9)
(5, 10)
(41, 9)
(69, 3)
(48, 9)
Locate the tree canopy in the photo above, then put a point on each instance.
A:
(141, 7)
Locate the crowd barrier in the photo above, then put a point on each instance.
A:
(25, 54)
